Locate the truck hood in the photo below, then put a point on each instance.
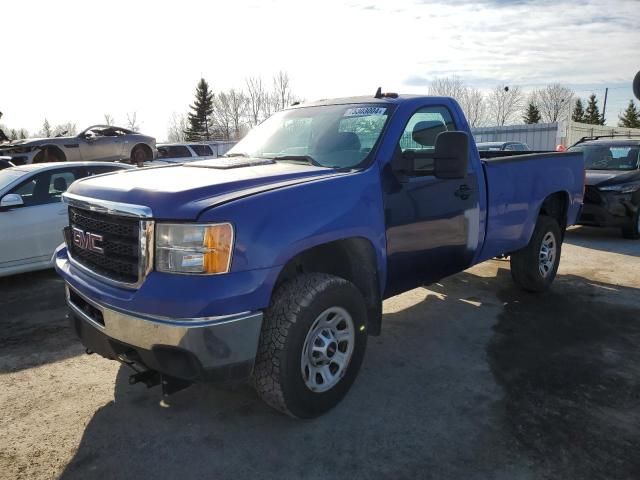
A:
(600, 178)
(182, 192)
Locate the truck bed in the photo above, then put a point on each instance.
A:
(517, 185)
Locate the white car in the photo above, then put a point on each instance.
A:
(32, 215)
(173, 153)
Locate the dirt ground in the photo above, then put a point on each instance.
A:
(471, 379)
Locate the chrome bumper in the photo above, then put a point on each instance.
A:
(215, 342)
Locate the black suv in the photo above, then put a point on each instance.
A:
(612, 190)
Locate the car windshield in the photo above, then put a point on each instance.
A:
(334, 136)
(8, 175)
(609, 157)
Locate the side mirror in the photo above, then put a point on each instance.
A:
(11, 200)
(448, 159)
(451, 155)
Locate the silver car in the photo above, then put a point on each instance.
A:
(98, 142)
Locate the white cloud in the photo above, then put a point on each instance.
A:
(77, 60)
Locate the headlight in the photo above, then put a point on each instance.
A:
(622, 188)
(188, 248)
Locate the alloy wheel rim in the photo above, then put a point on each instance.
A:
(327, 349)
(547, 256)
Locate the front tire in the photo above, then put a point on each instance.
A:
(535, 266)
(139, 155)
(312, 344)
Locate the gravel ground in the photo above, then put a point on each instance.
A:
(470, 379)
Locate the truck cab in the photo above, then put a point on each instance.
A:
(272, 262)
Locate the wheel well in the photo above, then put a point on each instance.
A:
(354, 260)
(146, 148)
(47, 149)
(556, 206)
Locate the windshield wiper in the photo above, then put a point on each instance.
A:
(298, 158)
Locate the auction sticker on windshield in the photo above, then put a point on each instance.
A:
(364, 111)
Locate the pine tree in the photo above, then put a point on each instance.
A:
(46, 131)
(578, 112)
(592, 113)
(531, 114)
(631, 117)
(199, 127)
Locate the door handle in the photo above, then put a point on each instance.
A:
(463, 192)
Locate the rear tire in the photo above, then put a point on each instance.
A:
(139, 156)
(298, 339)
(535, 266)
(632, 230)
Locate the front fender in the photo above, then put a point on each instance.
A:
(274, 226)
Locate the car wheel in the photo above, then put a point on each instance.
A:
(632, 230)
(139, 155)
(312, 344)
(46, 156)
(535, 266)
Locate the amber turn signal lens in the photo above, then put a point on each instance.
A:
(218, 241)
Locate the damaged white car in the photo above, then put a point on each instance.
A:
(98, 142)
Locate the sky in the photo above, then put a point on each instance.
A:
(77, 60)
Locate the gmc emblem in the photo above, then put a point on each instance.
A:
(87, 240)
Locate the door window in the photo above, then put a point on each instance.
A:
(202, 150)
(45, 187)
(420, 134)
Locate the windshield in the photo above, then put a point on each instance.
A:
(8, 175)
(334, 136)
(609, 157)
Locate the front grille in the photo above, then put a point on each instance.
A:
(592, 195)
(120, 244)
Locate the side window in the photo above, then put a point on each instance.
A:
(178, 151)
(511, 147)
(35, 191)
(423, 128)
(202, 150)
(419, 136)
(58, 184)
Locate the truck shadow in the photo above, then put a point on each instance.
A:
(604, 239)
(464, 383)
(33, 325)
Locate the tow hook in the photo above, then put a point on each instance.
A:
(151, 378)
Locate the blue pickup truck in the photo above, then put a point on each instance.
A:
(271, 264)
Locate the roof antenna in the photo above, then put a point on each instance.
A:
(378, 93)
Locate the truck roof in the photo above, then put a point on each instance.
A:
(360, 99)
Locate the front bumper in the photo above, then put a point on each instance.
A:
(210, 348)
(607, 209)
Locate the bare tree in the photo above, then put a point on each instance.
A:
(132, 121)
(554, 102)
(222, 117)
(257, 99)
(282, 89)
(504, 103)
(238, 103)
(108, 119)
(177, 126)
(474, 105)
(67, 129)
(448, 87)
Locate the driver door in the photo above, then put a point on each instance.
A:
(95, 146)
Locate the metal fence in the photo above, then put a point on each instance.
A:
(547, 136)
(539, 136)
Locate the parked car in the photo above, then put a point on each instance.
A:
(503, 146)
(31, 214)
(612, 191)
(98, 142)
(172, 153)
(272, 262)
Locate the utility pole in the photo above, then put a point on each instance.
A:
(604, 105)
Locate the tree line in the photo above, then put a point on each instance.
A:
(504, 105)
(228, 114)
